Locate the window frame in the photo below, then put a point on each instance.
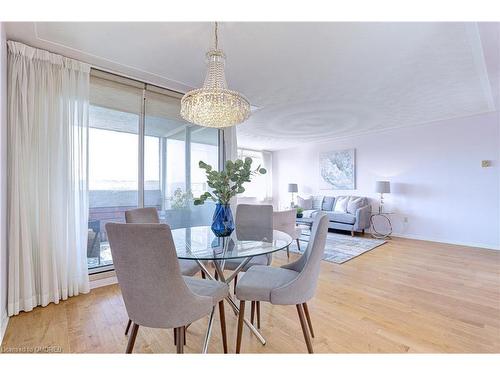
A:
(98, 73)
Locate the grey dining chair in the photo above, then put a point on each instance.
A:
(292, 284)
(253, 221)
(149, 215)
(285, 221)
(155, 293)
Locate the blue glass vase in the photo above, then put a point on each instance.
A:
(223, 223)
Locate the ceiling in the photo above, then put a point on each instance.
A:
(309, 81)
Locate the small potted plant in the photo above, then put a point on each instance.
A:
(225, 185)
(300, 212)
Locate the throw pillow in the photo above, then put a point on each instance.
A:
(317, 202)
(306, 204)
(341, 204)
(328, 203)
(354, 204)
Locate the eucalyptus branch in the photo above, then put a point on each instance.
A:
(228, 182)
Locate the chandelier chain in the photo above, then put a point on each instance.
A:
(216, 29)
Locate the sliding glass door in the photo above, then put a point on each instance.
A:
(142, 154)
(172, 151)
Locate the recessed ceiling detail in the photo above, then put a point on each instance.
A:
(310, 81)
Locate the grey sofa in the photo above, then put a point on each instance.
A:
(356, 219)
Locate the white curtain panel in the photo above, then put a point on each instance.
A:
(267, 158)
(230, 150)
(47, 177)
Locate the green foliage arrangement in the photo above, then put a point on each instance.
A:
(180, 199)
(229, 182)
(300, 210)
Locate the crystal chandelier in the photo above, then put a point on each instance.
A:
(215, 106)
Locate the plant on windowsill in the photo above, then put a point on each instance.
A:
(225, 185)
(300, 212)
(181, 200)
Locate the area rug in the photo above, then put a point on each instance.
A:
(340, 248)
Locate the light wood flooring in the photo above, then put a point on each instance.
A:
(404, 296)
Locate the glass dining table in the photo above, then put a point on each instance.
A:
(202, 246)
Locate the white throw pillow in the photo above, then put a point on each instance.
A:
(304, 203)
(341, 204)
(354, 204)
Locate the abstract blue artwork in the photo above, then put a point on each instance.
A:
(338, 170)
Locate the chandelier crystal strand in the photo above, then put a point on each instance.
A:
(214, 105)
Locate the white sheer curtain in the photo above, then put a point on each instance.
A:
(47, 177)
(260, 188)
(230, 152)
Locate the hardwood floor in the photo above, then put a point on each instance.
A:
(405, 296)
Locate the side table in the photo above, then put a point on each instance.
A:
(376, 233)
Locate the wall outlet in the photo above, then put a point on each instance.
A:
(405, 219)
(486, 163)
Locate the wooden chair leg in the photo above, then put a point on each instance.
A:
(184, 335)
(175, 336)
(252, 312)
(308, 317)
(131, 339)
(180, 339)
(257, 305)
(288, 252)
(352, 233)
(241, 316)
(203, 276)
(128, 327)
(222, 315)
(305, 331)
(235, 281)
(298, 244)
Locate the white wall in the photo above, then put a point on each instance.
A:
(435, 171)
(3, 180)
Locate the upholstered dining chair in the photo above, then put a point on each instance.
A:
(285, 221)
(149, 215)
(253, 221)
(292, 284)
(155, 293)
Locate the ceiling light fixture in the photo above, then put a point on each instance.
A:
(215, 106)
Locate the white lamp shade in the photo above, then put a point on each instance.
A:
(382, 187)
(293, 188)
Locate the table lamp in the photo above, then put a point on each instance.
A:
(382, 187)
(293, 188)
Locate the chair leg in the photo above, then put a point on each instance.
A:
(128, 327)
(175, 336)
(203, 276)
(241, 316)
(257, 305)
(288, 252)
(363, 231)
(252, 312)
(308, 317)
(298, 244)
(222, 315)
(184, 335)
(235, 281)
(352, 233)
(303, 323)
(180, 339)
(131, 339)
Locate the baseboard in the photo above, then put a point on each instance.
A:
(450, 242)
(103, 279)
(4, 321)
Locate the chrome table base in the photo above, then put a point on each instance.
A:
(219, 268)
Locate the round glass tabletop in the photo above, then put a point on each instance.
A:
(201, 243)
